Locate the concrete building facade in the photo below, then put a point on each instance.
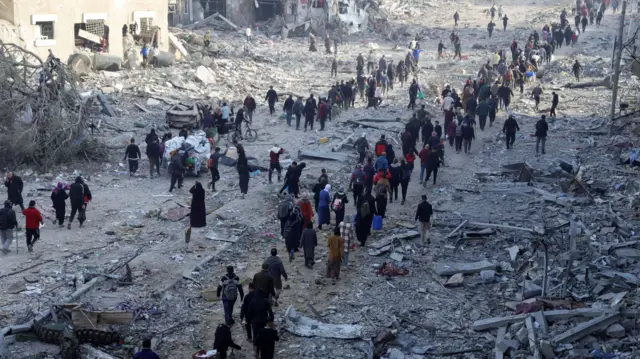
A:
(44, 25)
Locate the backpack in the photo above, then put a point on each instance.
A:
(210, 163)
(230, 289)
(359, 178)
(381, 190)
(365, 211)
(337, 204)
(283, 210)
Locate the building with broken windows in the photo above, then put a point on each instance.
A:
(67, 26)
(315, 14)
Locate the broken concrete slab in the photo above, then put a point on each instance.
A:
(532, 337)
(301, 325)
(542, 322)
(384, 245)
(106, 107)
(550, 315)
(215, 237)
(176, 214)
(178, 45)
(397, 256)
(451, 268)
(455, 281)
(616, 331)
(530, 289)
(627, 252)
(583, 329)
(331, 156)
(546, 349)
(513, 252)
(205, 75)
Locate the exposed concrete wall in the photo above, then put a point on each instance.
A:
(7, 10)
(241, 12)
(69, 12)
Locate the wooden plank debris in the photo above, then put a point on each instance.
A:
(583, 329)
(451, 268)
(141, 108)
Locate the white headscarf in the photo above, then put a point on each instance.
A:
(327, 188)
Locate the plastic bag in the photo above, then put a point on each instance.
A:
(421, 95)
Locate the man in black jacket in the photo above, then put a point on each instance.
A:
(272, 98)
(14, 186)
(244, 310)
(259, 312)
(288, 108)
(423, 215)
(310, 108)
(8, 222)
(223, 340)
(153, 153)
(132, 153)
(266, 341)
(77, 193)
(264, 282)
(541, 133)
(177, 171)
(554, 104)
(277, 271)
(510, 128)
(292, 178)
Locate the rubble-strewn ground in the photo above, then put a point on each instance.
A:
(132, 217)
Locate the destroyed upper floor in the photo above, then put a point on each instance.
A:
(66, 26)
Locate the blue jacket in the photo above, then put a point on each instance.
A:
(144, 51)
(382, 163)
(325, 199)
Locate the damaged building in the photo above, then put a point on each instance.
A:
(65, 27)
(315, 14)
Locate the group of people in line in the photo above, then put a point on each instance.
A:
(79, 196)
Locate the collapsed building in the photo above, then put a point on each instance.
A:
(68, 26)
(307, 14)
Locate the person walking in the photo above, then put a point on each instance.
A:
(324, 214)
(577, 68)
(132, 154)
(146, 352)
(405, 170)
(293, 230)
(244, 309)
(259, 313)
(366, 209)
(536, 93)
(347, 234)
(266, 341)
(510, 128)
(357, 183)
(177, 171)
(468, 135)
(338, 204)
(153, 155)
(297, 109)
(336, 255)
(285, 207)
(79, 195)
(505, 21)
(541, 133)
(274, 161)
(271, 98)
(212, 163)
(228, 289)
(58, 198)
(198, 215)
(423, 216)
(250, 104)
(8, 222)
(265, 283)
(277, 271)
(554, 104)
(14, 186)
(394, 182)
(361, 145)
(456, 18)
(309, 241)
(242, 167)
(288, 109)
(382, 192)
(433, 163)
(223, 340)
(33, 220)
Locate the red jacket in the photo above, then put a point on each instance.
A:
(451, 131)
(322, 110)
(33, 218)
(275, 157)
(424, 156)
(410, 157)
(377, 177)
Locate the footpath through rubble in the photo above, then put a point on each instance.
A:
(529, 255)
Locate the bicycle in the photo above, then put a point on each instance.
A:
(249, 134)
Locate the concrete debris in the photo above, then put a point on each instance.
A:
(450, 268)
(306, 327)
(205, 75)
(455, 280)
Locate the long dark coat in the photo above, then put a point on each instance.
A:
(198, 211)
(309, 242)
(14, 190)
